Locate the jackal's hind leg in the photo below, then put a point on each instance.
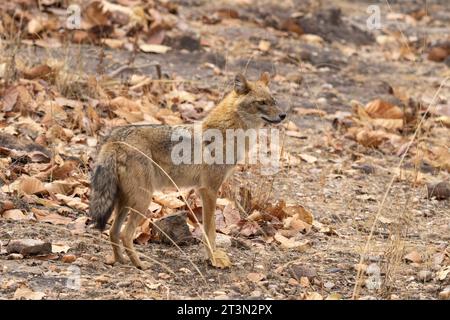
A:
(136, 216)
(114, 236)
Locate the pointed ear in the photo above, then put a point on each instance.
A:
(240, 84)
(264, 78)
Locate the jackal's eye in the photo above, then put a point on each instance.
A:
(261, 106)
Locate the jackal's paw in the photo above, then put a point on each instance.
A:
(112, 260)
(143, 265)
(220, 259)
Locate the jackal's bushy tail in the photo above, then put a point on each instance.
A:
(103, 189)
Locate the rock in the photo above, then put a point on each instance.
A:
(81, 262)
(425, 276)
(445, 294)
(240, 244)
(163, 275)
(5, 205)
(24, 293)
(437, 54)
(322, 101)
(255, 294)
(223, 241)
(219, 293)
(187, 42)
(298, 271)
(414, 257)
(68, 258)
(365, 168)
(173, 228)
(440, 191)
(431, 288)
(14, 214)
(14, 256)
(102, 279)
(124, 284)
(29, 247)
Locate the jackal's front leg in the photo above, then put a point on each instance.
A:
(218, 258)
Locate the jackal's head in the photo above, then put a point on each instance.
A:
(255, 103)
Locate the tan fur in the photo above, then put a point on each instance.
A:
(124, 178)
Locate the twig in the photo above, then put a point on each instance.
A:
(120, 69)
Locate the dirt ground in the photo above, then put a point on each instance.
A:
(342, 182)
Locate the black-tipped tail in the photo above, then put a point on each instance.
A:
(103, 191)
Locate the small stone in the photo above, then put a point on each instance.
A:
(414, 257)
(365, 168)
(163, 276)
(123, 284)
(14, 256)
(223, 241)
(328, 285)
(219, 293)
(255, 294)
(188, 42)
(322, 101)
(437, 54)
(430, 288)
(102, 279)
(298, 271)
(425, 276)
(185, 270)
(81, 262)
(29, 247)
(173, 228)
(440, 191)
(68, 258)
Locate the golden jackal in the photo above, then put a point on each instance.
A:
(124, 178)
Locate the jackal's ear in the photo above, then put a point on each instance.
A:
(240, 84)
(264, 78)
